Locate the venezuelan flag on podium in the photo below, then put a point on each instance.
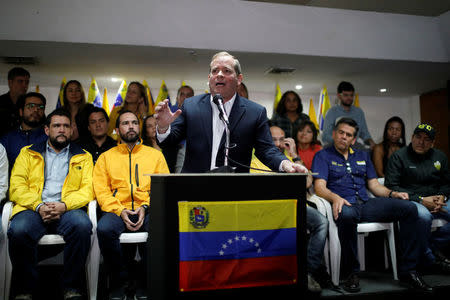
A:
(235, 244)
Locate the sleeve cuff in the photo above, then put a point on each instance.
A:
(162, 137)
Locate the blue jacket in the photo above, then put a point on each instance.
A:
(16, 139)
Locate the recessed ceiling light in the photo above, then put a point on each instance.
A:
(383, 90)
(115, 79)
(298, 87)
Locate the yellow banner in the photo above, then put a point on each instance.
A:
(237, 215)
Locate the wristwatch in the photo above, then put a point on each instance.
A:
(296, 159)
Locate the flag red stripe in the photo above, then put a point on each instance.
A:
(237, 273)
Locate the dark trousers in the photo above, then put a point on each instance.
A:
(119, 258)
(412, 233)
(24, 233)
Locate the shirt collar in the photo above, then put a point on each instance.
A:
(227, 104)
(49, 148)
(350, 151)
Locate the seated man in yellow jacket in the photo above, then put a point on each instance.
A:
(51, 184)
(123, 193)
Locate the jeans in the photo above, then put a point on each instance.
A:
(412, 236)
(24, 233)
(317, 225)
(119, 258)
(438, 239)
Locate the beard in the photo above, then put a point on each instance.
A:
(59, 145)
(33, 123)
(129, 138)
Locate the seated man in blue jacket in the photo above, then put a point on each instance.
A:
(31, 130)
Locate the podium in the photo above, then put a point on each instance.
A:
(163, 242)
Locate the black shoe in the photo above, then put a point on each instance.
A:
(72, 295)
(141, 294)
(323, 278)
(351, 284)
(118, 293)
(414, 281)
(313, 285)
(441, 266)
(439, 256)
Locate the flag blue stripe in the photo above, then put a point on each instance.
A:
(237, 244)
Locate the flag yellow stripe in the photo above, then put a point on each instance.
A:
(241, 215)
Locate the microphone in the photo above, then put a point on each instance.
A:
(218, 100)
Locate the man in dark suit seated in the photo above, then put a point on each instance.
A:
(199, 123)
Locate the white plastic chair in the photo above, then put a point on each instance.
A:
(55, 239)
(332, 250)
(3, 246)
(125, 238)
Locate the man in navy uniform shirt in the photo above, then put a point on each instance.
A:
(342, 177)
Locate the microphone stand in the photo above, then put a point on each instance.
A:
(225, 168)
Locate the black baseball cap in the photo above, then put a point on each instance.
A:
(427, 128)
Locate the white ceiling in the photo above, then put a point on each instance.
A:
(431, 8)
(55, 60)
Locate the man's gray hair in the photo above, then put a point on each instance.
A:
(237, 65)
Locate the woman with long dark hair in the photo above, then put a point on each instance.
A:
(136, 101)
(289, 113)
(393, 139)
(149, 132)
(74, 101)
(307, 143)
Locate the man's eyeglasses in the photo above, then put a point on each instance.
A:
(33, 105)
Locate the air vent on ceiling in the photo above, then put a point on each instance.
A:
(20, 60)
(280, 70)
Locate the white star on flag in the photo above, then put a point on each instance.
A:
(224, 246)
(244, 238)
(256, 244)
(236, 238)
(221, 252)
(251, 240)
(230, 241)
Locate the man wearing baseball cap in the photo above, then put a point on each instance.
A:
(423, 172)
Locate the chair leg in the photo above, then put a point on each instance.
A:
(93, 264)
(391, 241)
(8, 273)
(326, 255)
(361, 252)
(2, 263)
(335, 261)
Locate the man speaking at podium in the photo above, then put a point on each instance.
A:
(201, 121)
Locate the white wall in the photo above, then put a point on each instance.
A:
(376, 109)
(232, 25)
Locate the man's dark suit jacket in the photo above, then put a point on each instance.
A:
(249, 129)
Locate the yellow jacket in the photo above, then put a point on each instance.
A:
(120, 176)
(27, 178)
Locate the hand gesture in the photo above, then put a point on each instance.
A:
(127, 215)
(290, 167)
(164, 117)
(289, 145)
(337, 206)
